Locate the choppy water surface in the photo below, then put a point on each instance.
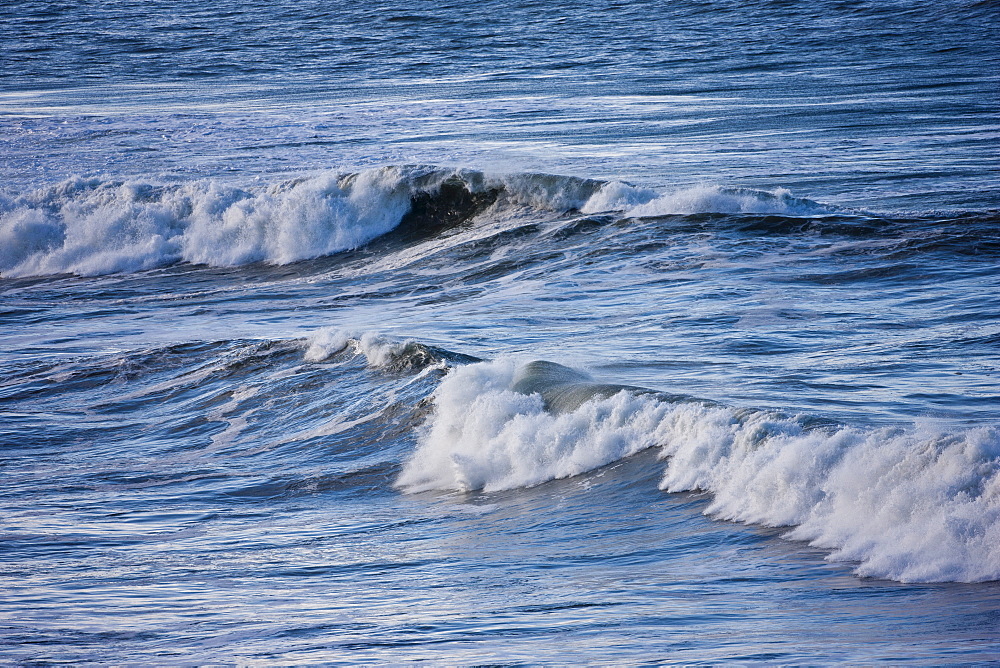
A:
(506, 333)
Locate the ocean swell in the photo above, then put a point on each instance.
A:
(913, 504)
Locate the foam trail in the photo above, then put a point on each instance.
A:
(912, 504)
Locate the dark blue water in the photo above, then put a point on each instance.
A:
(518, 332)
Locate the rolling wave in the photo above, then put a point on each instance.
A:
(90, 226)
(912, 504)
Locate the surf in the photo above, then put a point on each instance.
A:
(909, 503)
(93, 226)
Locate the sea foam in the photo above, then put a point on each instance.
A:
(91, 226)
(379, 351)
(644, 202)
(484, 435)
(909, 504)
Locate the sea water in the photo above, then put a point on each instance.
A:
(505, 332)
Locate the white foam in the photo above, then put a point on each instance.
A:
(313, 217)
(326, 342)
(617, 196)
(715, 199)
(913, 504)
(485, 436)
(380, 351)
(89, 226)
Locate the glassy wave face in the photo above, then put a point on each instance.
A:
(508, 333)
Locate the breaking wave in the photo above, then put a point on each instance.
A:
(379, 351)
(90, 226)
(909, 504)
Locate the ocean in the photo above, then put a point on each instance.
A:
(517, 332)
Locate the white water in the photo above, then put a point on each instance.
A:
(91, 226)
(915, 504)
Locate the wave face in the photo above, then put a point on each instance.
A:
(90, 227)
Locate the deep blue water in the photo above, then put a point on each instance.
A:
(509, 333)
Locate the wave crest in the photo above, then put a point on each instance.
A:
(916, 504)
(486, 435)
(94, 226)
(379, 351)
(89, 226)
